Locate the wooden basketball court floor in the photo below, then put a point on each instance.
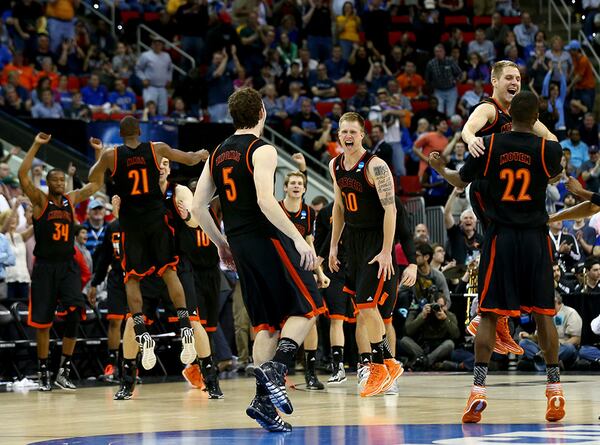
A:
(428, 410)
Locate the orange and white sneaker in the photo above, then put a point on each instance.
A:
(475, 405)
(506, 340)
(395, 370)
(193, 375)
(499, 347)
(379, 380)
(556, 402)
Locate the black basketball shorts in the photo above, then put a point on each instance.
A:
(116, 303)
(340, 304)
(208, 287)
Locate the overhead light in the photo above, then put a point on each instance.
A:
(120, 27)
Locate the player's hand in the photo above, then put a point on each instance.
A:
(574, 186)
(115, 201)
(436, 162)
(308, 258)
(334, 263)
(476, 147)
(201, 155)
(91, 296)
(300, 161)
(96, 144)
(386, 267)
(42, 138)
(226, 256)
(409, 276)
(323, 281)
(183, 211)
(426, 310)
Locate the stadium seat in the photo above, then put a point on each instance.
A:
(99, 116)
(83, 81)
(401, 19)
(151, 16)
(410, 185)
(482, 21)
(419, 105)
(361, 37)
(126, 16)
(411, 36)
(139, 102)
(324, 107)
(394, 37)
(346, 90)
(456, 20)
(511, 21)
(468, 36)
(445, 37)
(488, 88)
(463, 88)
(73, 83)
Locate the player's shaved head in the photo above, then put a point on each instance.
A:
(524, 109)
(129, 127)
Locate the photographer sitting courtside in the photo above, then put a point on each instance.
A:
(429, 280)
(430, 333)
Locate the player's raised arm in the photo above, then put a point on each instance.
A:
(183, 157)
(205, 190)
(96, 174)
(337, 225)
(381, 176)
(264, 160)
(35, 195)
(452, 176)
(541, 130)
(480, 117)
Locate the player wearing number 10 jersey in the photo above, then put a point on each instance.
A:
(147, 240)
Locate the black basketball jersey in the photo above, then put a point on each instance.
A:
(53, 230)
(362, 208)
(136, 174)
(303, 219)
(204, 254)
(501, 123)
(114, 232)
(109, 253)
(232, 172)
(517, 167)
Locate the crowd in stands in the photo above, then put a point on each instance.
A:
(413, 69)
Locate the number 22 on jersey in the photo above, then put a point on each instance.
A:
(509, 175)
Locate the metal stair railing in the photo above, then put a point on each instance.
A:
(168, 45)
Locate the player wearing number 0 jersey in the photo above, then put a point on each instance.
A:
(515, 272)
(272, 259)
(55, 277)
(147, 241)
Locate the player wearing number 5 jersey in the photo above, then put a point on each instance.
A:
(516, 262)
(146, 238)
(55, 277)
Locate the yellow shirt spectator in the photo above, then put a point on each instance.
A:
(62, 9)
(348, 27)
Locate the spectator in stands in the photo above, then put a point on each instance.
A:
(411, 82)
(471, 98)
(43, 84)
(430, 333)
(275, 108)
(47, 109)
(5, 55)
(26, 76)
(293, 101)
(477, 70)
(435, 186)
(557, 55)
(362, 101)
(537, 68)
(439, 258)
(556, 97)
(337, 66)
(122, 99)
(95, 95)
(464, 243)
(317, 18)
(525, 31)
(429, 281)
(380, 147)
(155, 69)
(457, 40)
(455, 152)
(591, 283)
(359, 63)
(252, 39)
(60, 15)
(561, 285)
(287, 49)
(327, 146)
(306, 126)
(430, 142)
(377, 76)
(219, 79)
(511, 52)
(547, 117)
(584, 234)
(151, 114)
(180, 111)
(306, 62)
(64, 96)
(421, 233)
(590, 132)
(42, 50)
(590, 9)
(95, 225)
(396, 61)
(497, 31)
(17, 276)
(14, 81)
(564, 247)
(582, 83)
(579, 149)
(123, 61)
(72, 58)
(192, 23)
(347, 27)
(442, 75)
(78, 109)
(590, 170)
(485, 48)
(321, 86)
(48, 70)
(24, 22)
(294, 74)
(568, 324)
(376, 24)
(265, 77)
(14, 105)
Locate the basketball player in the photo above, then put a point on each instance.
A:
(273, 260)
(516, 261)
(589, 207)
(491, 116)
(303, 217)
(340, 305)
(178, 200)
(364, 202)
(146, 239)
(109, 254)
(55, 277)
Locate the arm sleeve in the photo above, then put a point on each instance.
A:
(104, 256)
(403, 233)
(553, 155)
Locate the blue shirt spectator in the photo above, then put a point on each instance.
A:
(337, 67)
(556, 97)
(579, 149)
(47, 108)
(93, 93)
(121, 98)
(7, 256)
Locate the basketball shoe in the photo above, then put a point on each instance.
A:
(63, 379)
(263, 411)
(272, 376)
(45, 380)
(556, 402)
(188, 349)
(379, 380)
(338, 375)
(193, 375)
(504, 342)
(475, 405)
(147, 345)
(362, 374)
(128, 381)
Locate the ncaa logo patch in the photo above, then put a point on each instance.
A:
(303, 214)
(360, 166)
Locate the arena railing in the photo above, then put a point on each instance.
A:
(94, 9)
(168, 45)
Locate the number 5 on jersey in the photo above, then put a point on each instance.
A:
(230, 190)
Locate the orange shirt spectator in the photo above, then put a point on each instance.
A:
(26, 75)
(582, 68)
(430, 142)
(411, 83)
(61, 9)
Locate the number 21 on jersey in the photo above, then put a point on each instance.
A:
(510, 176)
(140, 181)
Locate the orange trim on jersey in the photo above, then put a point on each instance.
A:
(488, 274)
(544, 157)
(154, 156)
(355, 165)
(133, 273)
(212, 159)
(383, 298)
(264, 327)
(115, 317)
(484, 129)
(72, 207)
(500, 107)
(61, 313)
(347, 290)
(487, 164)
(43, 210)
(175, 319)
(296, 278)
(210, 328)
(387, 320)
(376, 297)
(114, 162)
(507, 312)
(539, 310)
(310, 227)
(550, 248)
(172, 265)
(248, 160)
(372, 184)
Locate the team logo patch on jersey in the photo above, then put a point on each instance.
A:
(303, 214)
(361, 165)
(65, 202)
(169, 194)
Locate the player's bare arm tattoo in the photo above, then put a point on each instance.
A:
(384, 185)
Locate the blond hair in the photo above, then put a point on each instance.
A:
(499, 67)
(351, 116)
(4, 216)
(295, 173)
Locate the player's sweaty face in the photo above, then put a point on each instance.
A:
(56, 183)
(295, 187)
(509, 83)
(351, 135)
